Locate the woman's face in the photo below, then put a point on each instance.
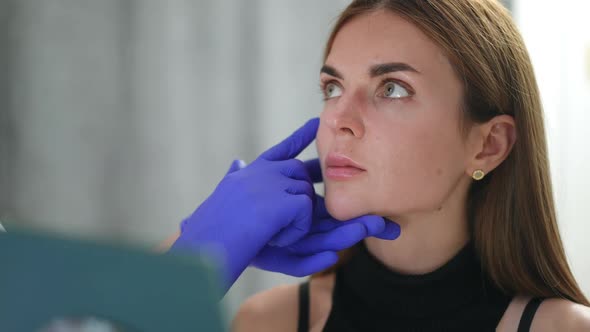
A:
(389, 139)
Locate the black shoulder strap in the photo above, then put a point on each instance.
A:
(303, 324)
(528, 314)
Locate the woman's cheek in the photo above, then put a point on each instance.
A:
(321, 141)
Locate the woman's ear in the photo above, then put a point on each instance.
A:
(491, 143)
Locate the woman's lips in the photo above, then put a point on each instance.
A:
(342, 173)
(341, 167)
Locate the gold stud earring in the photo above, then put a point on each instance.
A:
(478, 175)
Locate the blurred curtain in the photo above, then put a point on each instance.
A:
(119, 117)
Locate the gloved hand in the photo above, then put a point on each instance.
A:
(316, 251)
(251, 207)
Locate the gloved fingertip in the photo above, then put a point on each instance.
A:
(391, 232)
(330, 257)
(236, 165)
(374, 224)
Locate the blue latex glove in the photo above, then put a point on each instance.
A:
(316, 251)
(251, 207)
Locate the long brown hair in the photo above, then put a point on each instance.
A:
(512, 215)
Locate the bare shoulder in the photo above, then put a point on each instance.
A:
(512, 315)
(562, 315)
(275, 309)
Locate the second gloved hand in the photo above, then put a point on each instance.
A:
(316, 251)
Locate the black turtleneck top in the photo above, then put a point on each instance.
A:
(458, 296)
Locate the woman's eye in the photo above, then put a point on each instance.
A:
(394, 90)
(332, 90)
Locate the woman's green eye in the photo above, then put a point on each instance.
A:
(395, 90)
(332, 90)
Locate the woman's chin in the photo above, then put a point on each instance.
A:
(344, 209)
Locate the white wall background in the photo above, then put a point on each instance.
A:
(558, 39)
(118, 117)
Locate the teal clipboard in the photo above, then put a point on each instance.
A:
(45, 277)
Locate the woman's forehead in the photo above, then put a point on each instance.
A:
(383, 37)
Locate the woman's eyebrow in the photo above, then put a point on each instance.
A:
(331, 71)
(374, 71)
(384, 68)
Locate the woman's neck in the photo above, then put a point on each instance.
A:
(427, 241)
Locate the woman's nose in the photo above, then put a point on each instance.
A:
(346, 118)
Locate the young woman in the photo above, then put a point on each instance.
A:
(433, 119)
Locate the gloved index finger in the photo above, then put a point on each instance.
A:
(292, 146)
